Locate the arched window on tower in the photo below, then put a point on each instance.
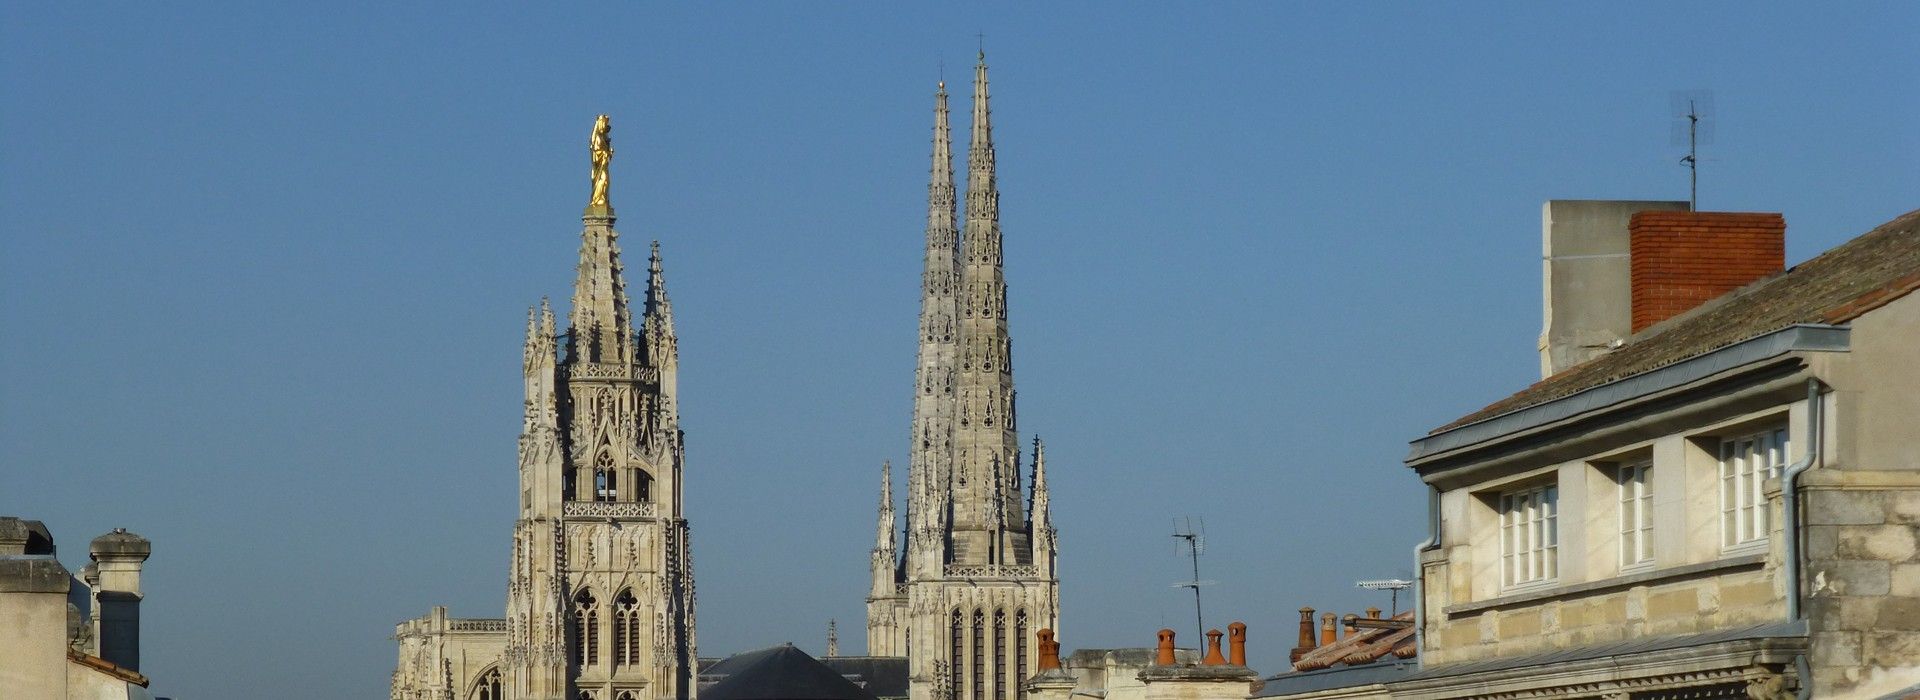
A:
(626, 629)
(959, 656)
(605, 486)
(1000, 655)
(643, 485)
(1020, 654)
(979, 655)
(488, 687)
(586, 629)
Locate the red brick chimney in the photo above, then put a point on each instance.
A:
(1680, 259)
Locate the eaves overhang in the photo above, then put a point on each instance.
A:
(1756, 350)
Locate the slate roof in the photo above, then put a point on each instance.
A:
(884, 676)
(779, 673)
(1833, 288)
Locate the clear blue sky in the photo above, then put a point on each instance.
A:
(265, 271)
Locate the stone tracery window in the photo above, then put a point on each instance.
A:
(626, 628)
(586, 629)
(488, 687)
(605, 484)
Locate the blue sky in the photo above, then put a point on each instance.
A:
(263, 272)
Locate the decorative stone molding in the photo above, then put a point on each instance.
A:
(478, 625)
(992, 571)
(601, 509)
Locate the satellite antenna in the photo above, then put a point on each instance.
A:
(1195, 542)
(1690, 109)
(1396, 585)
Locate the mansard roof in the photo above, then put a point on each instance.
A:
(1835, 287)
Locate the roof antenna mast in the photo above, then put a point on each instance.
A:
(1696, 104)
(1392, 584)
(1195, 542)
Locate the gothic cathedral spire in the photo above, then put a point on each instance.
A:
(988, 527)
(977, 578)
(930, 467)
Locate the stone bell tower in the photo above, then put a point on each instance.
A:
(600, 596)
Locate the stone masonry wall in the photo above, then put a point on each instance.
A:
(1863, 580)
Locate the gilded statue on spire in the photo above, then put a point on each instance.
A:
(602, 148)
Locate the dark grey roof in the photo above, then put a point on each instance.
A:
(779, 673)
(884, 676)
(1834, 287)
(1339, 677)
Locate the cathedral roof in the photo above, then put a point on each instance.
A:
(779, 673)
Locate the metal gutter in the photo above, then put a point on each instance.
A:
(1801, 337)
(1790, 512)
(1419, 568)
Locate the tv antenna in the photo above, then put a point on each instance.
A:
(1693, 106)
(1195, 542)
(1396, 585)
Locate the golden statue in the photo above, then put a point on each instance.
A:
(602, 147)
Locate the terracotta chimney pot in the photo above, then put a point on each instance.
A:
(1307, 640)
(1373, 613)
(1237, 641)
(1327, 634)
(1049, 650)
(1164, 655)
(1213, 658)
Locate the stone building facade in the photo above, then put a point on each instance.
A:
(1724, 504)
(976, 578)
(600, 593)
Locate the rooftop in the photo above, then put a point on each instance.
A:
(1834, 287)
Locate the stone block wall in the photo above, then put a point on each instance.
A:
(1863, 580)
(1660, 607)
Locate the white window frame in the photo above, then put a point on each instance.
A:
(1634, 480)
(1746, 462)
(1530, 536)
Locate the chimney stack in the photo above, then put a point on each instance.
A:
(1327, 634)
(119, 556)
(1237, 641)
(1307, 640)
(1681, 260)
(1585, 277)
